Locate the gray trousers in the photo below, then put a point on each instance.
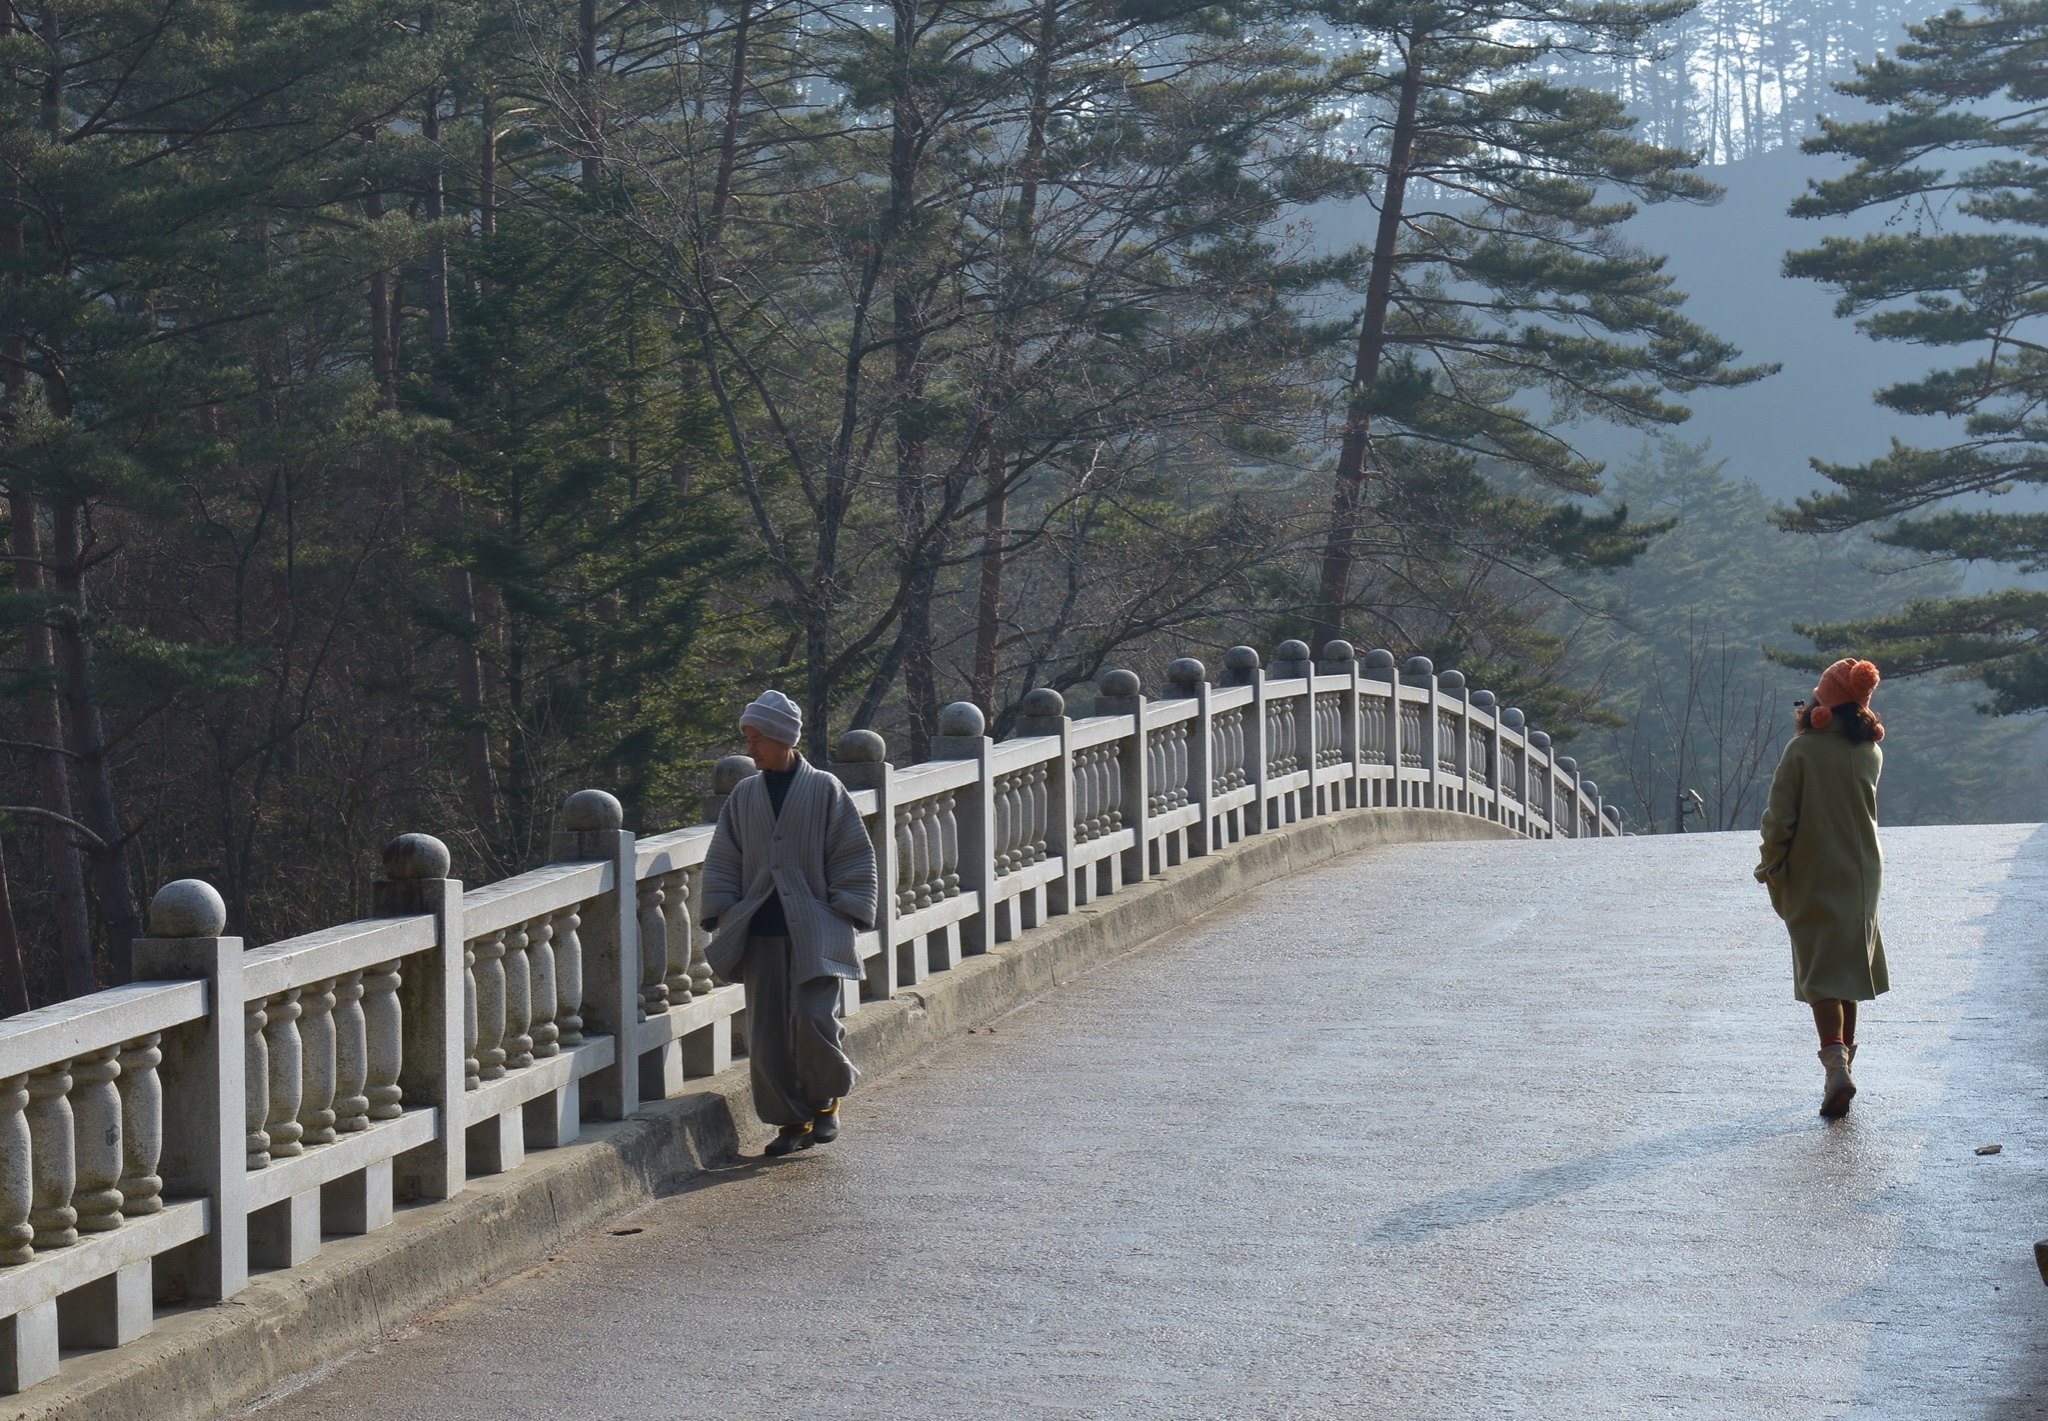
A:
(794, 1056)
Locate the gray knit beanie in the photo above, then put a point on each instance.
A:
(775, 716)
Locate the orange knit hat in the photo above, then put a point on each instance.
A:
(1848, 680)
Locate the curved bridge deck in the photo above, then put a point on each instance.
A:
(1473, 1130)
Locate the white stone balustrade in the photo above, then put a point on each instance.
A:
(159, 1140)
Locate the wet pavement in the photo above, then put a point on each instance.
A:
(1444, 1130)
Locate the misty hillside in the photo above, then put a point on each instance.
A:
(1726, 258)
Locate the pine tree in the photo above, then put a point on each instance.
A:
(1499, 277)
(1962, 271)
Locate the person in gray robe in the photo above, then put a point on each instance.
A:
(788, 879)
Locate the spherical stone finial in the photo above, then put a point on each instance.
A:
(727, 773)
(1418, 666)
(1379, 659)
(1567, 764)
(1339, 651)
(188, 907)
(860, 747)
(962, 718)
(591, 809)
(1540, 739)
(1513, 716)
(1291, 651)
(1186, 671)
(1044, 702)
(1117, 683)
(1241, 658)
(1483, 699)
(416, 856)
(1612, 813)
(1592, 790)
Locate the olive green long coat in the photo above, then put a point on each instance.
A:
(1823, 867)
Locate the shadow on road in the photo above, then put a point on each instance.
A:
(1421, 1222)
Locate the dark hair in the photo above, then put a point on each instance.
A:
(1854, 721)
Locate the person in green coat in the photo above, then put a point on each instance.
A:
(1823, 867)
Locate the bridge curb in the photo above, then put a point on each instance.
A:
(198, 1364)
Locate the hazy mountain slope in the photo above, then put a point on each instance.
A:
(1726, 258)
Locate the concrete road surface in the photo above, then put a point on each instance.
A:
(1440, 1131)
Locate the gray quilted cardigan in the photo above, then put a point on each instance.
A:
(816, 853)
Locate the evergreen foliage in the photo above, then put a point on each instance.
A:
(1680, 643)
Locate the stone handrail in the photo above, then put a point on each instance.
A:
(160, 1140)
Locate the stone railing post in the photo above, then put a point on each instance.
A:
(1571, 773)
(1187, 679)
(1451, 696)
(861, 762)
(1421, 671)
(593, 829)
(1119, 695)
(1379, 665)
(1044, 712)
(1489, 772)
(1340, 658)
(725, 778)
(414, 1020)
(962, 736)
(1514, 720)
(1241, 668)
(205, 1102)
(1290, 659)
(1539, 744)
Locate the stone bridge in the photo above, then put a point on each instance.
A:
(1233, 1051)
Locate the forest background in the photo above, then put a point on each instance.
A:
(415, 413)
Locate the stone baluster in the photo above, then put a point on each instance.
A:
(470, 1069)
(540, 971)
(568, 979)
(255, 1085)
(653, 950)
(351, 1057)
(701, 978)
(949, 840)
(489, 973)
(518, 1000)
(142, 1126)
(675, 916)
(17, 1175)
(906, 861)
(1003, 806)
(317, 1040)
(96, 1125)
(383, 1042)
(52, 1152)
(287, 1073)
(930, 874)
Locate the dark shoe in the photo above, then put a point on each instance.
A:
(825, 1128)
(1839, 1089)
(788, 1140)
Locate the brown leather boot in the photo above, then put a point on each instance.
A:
(1839, 1089)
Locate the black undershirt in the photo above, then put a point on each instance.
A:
(768, 918)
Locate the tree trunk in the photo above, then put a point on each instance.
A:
(487, 172)
(729, 137)
(1353, 455)
(437, 210)
(62, 855)
(988, 611)
(12, 979)
(587, 96)
(110, 876)
(996, 491)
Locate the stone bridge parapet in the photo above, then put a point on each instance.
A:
(160, 1140)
